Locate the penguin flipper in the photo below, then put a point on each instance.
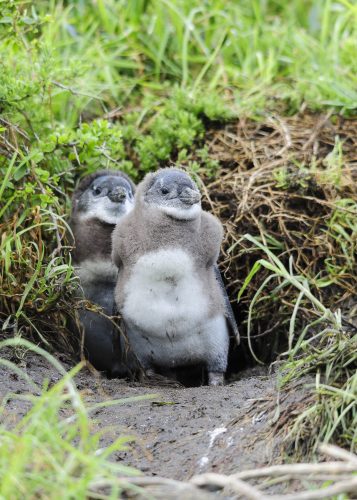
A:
(228, 308)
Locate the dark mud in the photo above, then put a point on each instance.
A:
(181, 431)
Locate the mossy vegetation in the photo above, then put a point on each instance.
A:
(257, 99)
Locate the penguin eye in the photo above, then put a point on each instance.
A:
(97, 190)
(164, 190)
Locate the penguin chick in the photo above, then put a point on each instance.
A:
(99, 201)
(173, 305)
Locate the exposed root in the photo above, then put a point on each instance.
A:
(339, 473)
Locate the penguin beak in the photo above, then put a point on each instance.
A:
(189, 196)
(117, 195)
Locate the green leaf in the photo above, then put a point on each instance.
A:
(20, 172)
(249, 278)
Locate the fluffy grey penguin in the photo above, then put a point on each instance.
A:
(169, 290)
(98, 203)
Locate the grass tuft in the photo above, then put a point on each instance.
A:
(55, 449)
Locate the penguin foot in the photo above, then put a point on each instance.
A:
(215, 378)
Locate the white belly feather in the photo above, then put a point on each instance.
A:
(93, 271)
(164, 294)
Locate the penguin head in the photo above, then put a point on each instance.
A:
(175, 193)
(107, 197)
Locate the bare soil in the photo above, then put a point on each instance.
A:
(180, 431)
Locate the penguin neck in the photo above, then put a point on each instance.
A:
(192, 224)
(92, 239)
(161, 219)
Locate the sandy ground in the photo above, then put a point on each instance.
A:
(181, 431)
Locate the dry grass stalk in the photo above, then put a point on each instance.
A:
(284, 180)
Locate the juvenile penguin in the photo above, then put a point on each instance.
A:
(175, 309)
(98, 203)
